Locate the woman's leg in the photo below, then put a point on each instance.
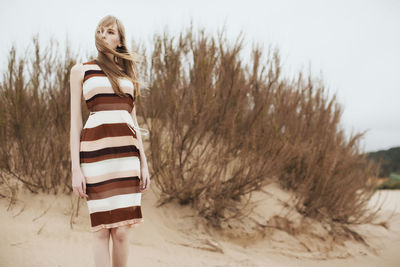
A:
(100, 247)
(120, 246)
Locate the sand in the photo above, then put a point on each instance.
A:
(37, 232)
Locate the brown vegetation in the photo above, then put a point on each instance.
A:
(219, 130)
(34, 119)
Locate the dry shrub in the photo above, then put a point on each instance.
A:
(329, 174)
(203, 150)
(221, 129)
(34, 116)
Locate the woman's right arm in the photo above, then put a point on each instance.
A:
(76, 79)
(76, 114)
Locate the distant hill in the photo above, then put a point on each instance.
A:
(390, 160)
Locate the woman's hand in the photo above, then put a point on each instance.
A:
(79, 183)
(145, 178)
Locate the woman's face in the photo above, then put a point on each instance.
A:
(110, 35)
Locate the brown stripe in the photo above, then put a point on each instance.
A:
(105, 89)
(110, 102)
(103, 178)
(120, 106)
(114, 192)
(112, 95)
(106, 130)
(89, 63)
(117, 215)
(108, 150)
(110, 156)
(112, 184)
(98, 90)
(88, 76)
(108, 142)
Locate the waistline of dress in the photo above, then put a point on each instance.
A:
(126, 117)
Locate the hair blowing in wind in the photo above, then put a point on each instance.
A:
(122, 57)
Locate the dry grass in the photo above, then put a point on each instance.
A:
(219, 129)
(34, 118)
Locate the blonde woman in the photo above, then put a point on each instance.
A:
(109, 166)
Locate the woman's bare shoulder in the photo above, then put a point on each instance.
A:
(77, 68)
(81, 66)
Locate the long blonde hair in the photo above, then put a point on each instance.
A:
(122, 57)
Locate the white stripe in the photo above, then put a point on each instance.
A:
(113, 116)
(101, 81)
(108, 142)
(114, 202)
(110, 165)
(94, 82)
(108, 116)
(113, 175)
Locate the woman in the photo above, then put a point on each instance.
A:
(109, 166)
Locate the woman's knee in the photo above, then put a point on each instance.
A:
(120, 233)
(102, 234)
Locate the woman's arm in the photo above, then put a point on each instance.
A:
(143, 160)
(76, 115)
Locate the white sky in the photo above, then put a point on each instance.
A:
(355, 44)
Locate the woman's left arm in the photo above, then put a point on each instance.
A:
(143, 160)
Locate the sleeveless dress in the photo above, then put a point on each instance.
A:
(108, 153)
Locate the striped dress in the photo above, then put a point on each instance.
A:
(109, 155)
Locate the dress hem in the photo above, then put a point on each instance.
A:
(131, 223)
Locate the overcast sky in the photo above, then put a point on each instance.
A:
(355, 44)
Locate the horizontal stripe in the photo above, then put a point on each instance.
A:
(103, 81)
(108, 142)
(113, 192)
(110, 102)
(92, 73)
(108, 96)
(110, 165)
(107, 218)
(117, 106)
(91, 62)
(108, 150)
(113, 183)
(109, 156)
(107, 130)
(108, 116)
(106, 90)
(99, 79)
(94, 82)
(114, 202)
(114, 175)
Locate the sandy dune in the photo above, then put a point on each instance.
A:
(37, 232)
